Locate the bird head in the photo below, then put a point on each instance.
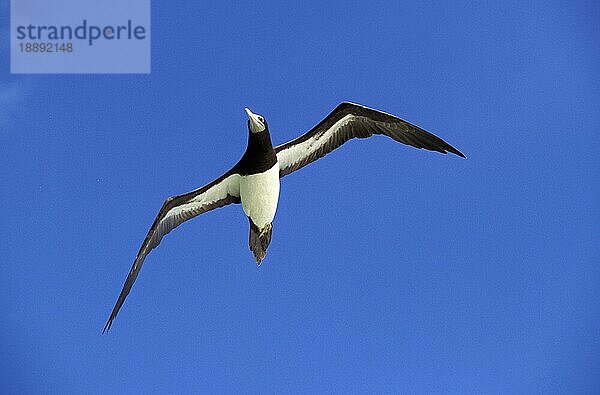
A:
(256, 123)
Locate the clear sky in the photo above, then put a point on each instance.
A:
(391, 269)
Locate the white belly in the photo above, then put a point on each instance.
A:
(259, 194)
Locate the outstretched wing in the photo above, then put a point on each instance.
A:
(176, 210)
(347, 121)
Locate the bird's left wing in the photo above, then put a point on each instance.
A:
(176, 210)
(347, 121)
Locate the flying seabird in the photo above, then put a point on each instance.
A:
(254, 180)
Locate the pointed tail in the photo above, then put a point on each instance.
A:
(259, 241)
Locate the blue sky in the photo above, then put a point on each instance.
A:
(391, 269)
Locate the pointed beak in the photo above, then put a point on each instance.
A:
(251, 116)
(255, 122)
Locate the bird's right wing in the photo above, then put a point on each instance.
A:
(347, 121)
(176, 210)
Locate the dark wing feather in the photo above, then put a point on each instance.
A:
(346, 122)
(175, 211)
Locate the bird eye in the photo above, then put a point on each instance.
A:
(261, 119)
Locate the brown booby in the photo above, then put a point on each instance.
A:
(254, 180)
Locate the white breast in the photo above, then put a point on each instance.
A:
(259, 194)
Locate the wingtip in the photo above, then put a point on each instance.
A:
(107, 326)
(457, 152)
(453, 150)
